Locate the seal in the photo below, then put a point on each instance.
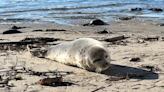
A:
(86, 53)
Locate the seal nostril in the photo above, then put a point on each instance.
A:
(105, 64)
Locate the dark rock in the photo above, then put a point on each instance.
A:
(55, 30)
(135, 59)
(15, 27)
(162, 24)
(95, 22)
(134, 9)
(103, 32)
(156, 9)
(126, 18)
(14, 31)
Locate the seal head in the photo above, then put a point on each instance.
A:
(98, 59)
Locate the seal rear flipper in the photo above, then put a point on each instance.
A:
(38, 52)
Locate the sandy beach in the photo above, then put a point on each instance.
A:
(137, 59)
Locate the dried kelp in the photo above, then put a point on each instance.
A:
(22, 45)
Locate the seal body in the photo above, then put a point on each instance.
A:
(86, 53)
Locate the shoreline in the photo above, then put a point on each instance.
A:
(136, 26)
(77, 21)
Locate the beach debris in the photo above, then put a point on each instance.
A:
(140, 40)
(37, 30)
(115, 38)
(162, 38)
(4, 82)
(150, 67)
(95, 22)
(134, 9)
(13, 31)
(56, 80)
(22, 45)
(97, 89)
(51, 81)
(149, 38)
(137, 59)
(47, 30)
(40, 40)
(15, 27)
(125, 57)
(56, 30)
(126, 18)
(3, 54)
(13, 74)
(155, 38)
(124, 43)
(19, 46)
(156, 9)
(114, 78)
(17, 43)
(29, 71)
(126, 76)
(11, 46)
(103, 32)
(18, 77)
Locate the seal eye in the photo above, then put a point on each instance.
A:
(106, 56)
(96, 60)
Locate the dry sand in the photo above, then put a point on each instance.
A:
(145, 75)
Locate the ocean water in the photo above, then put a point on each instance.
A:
(67, 11)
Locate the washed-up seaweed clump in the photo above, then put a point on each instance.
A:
(22, 45)
(51, 78)
(39, 40)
